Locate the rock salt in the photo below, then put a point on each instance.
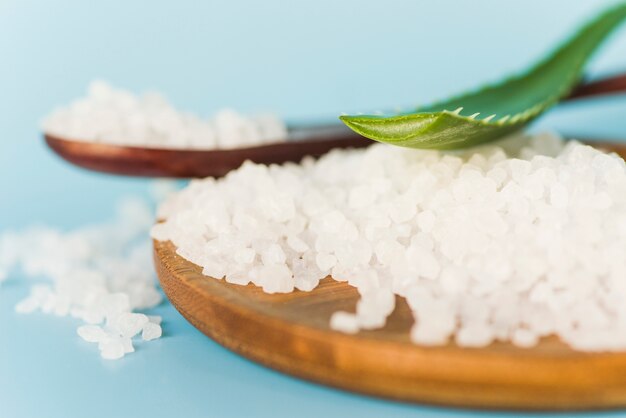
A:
(510, 241)
(345, 322)
(100, 274)
(114, 116)
(112, 349)
(128, 324)
(151, 331)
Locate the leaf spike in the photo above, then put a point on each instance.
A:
(522, 97)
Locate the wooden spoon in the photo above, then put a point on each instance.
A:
(188, 163)
(290, 332)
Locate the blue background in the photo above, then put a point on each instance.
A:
(305, 60)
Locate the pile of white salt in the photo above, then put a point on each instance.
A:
(113, 116)
(511, 242)
(100, 274)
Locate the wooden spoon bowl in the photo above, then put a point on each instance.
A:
(290, 333)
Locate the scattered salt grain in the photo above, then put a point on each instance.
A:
(114, 116)
(151, 331)
(112, 349)
(129, 324)
(100, 274)
(511, 241)
(127, 343)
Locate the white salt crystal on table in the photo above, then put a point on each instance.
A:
(129, 324)
(114, 116)
(127, 343)
(112, 349)
(151, 331)
(511, 241)
(101, 274)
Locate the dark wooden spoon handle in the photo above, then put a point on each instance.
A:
(609, 85)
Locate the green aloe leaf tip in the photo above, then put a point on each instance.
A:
(495, 110)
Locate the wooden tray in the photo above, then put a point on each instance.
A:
(290, 333)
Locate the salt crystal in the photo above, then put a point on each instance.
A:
(402, 210)
(519, 168)
(151, 331)
(454, 279)
(127, 343)
(361, 197)
(344, 322)
(325, 261)
(129, 324)
(387, 250)
(273, 254)
(498, 175)
(244, 255)
(425, 334)
(475, 335)
(524, 338)
(424, 262)
(558, 196)
(276, 278)
(297, 244)
(426, 220)
(112, 349)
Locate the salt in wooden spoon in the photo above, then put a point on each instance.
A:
(301, 141)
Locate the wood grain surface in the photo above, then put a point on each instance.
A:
(290, 333)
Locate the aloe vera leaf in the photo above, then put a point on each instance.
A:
(495, 110)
